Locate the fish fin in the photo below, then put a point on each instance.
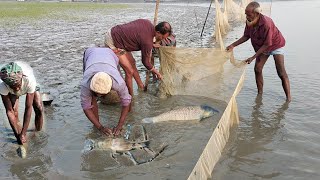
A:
(208, 111)
(148, 120)
(209, 108)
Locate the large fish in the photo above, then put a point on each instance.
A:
(124, 145)
(183, 114)
(118, 145)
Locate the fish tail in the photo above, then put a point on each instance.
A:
(88, 145)
(148, 120)
(22, 152)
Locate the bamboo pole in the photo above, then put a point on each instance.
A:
(204, 24)
(155, 19)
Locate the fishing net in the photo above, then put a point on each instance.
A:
(212, 73)
(186, 70)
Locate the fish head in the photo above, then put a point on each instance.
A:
(208, 111)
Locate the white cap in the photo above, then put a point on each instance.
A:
(101, 83)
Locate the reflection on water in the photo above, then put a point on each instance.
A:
(263, 128)
(256, 137)
(276, 140)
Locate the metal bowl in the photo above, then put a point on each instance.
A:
(47, 98)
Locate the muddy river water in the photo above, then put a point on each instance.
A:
(274, 139)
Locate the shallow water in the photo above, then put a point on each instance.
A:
(54, 48)
(273, 140)
(276, 140)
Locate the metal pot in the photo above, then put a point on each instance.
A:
(47, 98)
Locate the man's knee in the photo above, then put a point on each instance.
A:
(281, 71)
(127, 67)
(129, 72)
(282, 74)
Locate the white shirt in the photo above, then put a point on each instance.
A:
(28, 82)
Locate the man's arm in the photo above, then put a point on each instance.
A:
(236, 43)
(122, 120)
(268, 33)
(11, 117)
(27, 115)
(262, 49)
(125, 97)
(93, 115)
(93, 118)
(146, 60)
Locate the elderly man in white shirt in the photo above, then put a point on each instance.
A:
(19, 80)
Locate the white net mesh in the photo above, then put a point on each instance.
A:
(194, 71)
(208, 72)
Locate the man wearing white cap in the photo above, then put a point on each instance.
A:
(100, 75)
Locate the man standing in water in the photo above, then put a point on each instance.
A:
(17, 82)
(100, 75)
(134, 36)
(266, 40)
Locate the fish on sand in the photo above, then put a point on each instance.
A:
(117, 145)
(123, 146)
(183, 114)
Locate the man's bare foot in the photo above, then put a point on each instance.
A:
(23, 138)
(288, 99)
